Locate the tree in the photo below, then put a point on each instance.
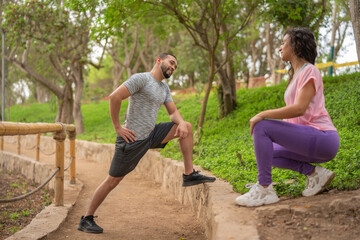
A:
(297, 13)
(355, 18)
(281, 14)
(134, 41)
(340, 23)
(191, 66)
(61, 33)
(208, 23)
(135, 48)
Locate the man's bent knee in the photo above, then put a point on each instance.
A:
(189, 126)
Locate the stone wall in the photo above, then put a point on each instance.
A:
(31, 169)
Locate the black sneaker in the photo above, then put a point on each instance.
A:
(87, 224)
(196, 178)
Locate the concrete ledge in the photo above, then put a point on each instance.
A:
(47, 221)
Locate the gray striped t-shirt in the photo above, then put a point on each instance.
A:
(147, 96)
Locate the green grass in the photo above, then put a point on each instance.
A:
(33, 113)
(97, 122)
(226, 147)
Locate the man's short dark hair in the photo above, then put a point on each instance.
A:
(164, 55)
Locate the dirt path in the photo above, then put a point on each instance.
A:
(136, 209)
(333, 215)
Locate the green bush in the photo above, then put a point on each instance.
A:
(226, 147)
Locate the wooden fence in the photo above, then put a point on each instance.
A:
(59, 131)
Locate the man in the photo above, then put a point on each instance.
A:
(146, 92)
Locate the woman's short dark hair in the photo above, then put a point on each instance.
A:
(302, 40)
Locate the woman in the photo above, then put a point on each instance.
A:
(306, 135)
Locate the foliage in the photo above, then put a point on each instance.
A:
(304, 13)
(46, 198)
(94, 74)
(44, 22)
(98, 82)
(226, 148)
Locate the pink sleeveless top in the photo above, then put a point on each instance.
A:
(315, 115)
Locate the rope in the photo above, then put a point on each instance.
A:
(72, 158)
(27, 148)
(9, 141)
(32, 192)
(47, 153)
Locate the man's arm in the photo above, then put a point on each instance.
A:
(115, 100)
(175, 117)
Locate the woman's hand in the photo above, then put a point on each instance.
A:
(255, 119)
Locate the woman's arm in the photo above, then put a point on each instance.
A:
(295, 110)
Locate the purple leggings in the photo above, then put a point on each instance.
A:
(291, 146)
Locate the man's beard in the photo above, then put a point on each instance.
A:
(164, 71)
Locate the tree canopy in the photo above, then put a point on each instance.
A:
(78, 50)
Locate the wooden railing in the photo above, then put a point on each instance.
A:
(59, 130)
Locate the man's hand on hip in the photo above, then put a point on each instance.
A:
(126, 134)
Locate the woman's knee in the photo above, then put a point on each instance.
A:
(260, 126)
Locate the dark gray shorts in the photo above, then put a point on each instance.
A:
(128, 155)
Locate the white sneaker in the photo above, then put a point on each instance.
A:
(318, 181)
(257, 196)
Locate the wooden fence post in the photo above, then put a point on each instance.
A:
(59, 178)
(72, 138)
(37, 147)
(18, 145)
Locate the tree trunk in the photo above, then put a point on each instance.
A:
(191, 81)
(227, 104)
(219, 97)
(232, 80)
(42, 95)
(253, 58)
(207, 93)
(355, 17)
(340, 41)
(117, 72)
(65, 106)
(77, 113)
(278, 76)
(136, 65)
(227, 88)
(269, 46)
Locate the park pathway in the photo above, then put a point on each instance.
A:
(136, 209)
